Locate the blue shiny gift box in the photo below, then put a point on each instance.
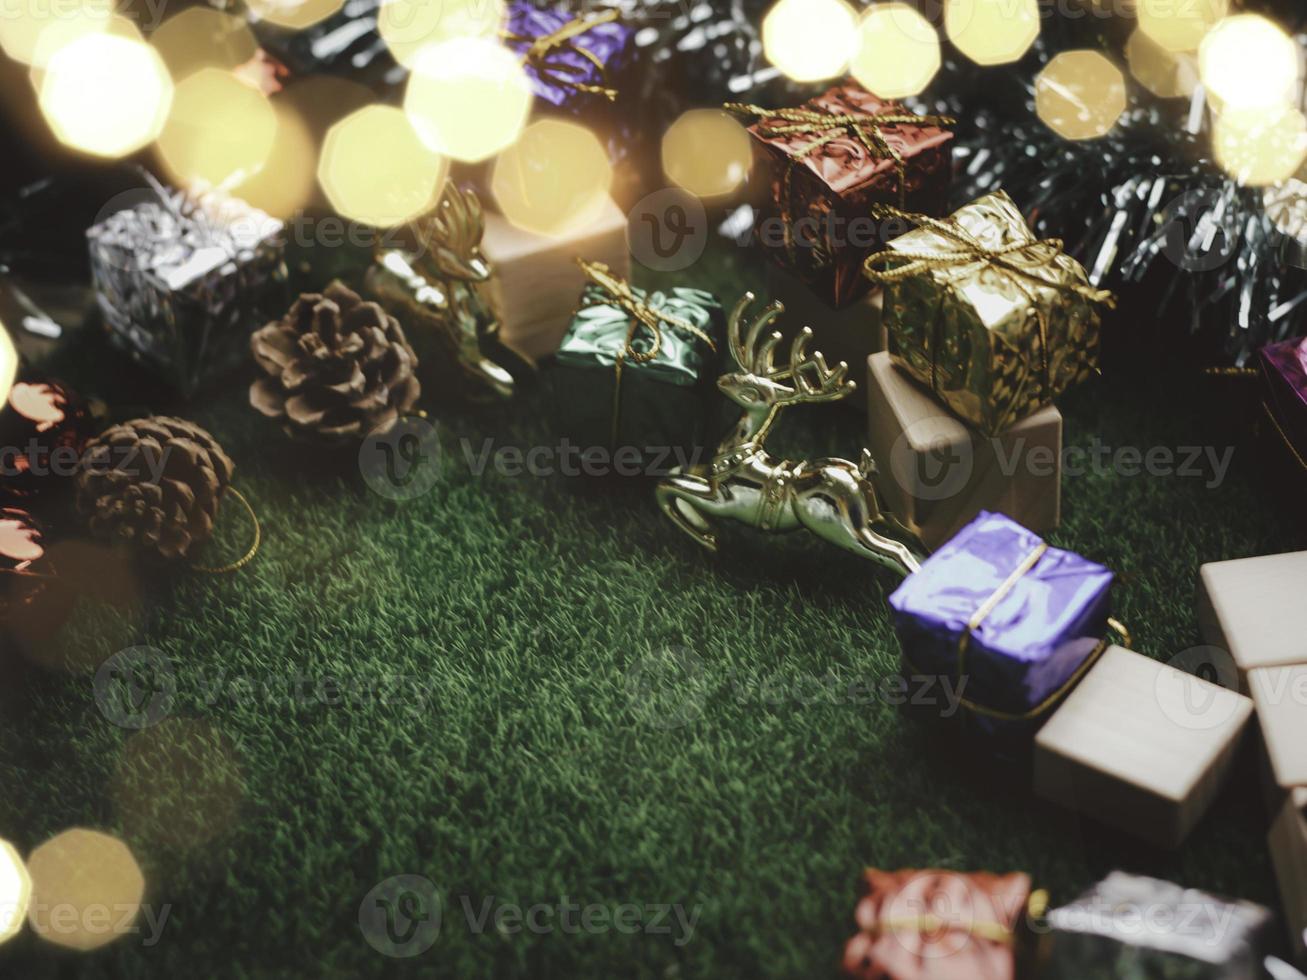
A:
(1012, 622)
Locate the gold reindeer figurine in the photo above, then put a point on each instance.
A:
(833, 498)
(439, 294)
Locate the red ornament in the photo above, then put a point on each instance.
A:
(43, 428)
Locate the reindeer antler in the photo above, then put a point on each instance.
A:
(456, 222)
(752, 358)
(830, 382)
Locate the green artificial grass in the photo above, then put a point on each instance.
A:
(596, 711)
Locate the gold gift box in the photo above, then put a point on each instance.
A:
(995, 321)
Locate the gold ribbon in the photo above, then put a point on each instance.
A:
(825, 127)
(253, 550)
(546, 46)
(643, 315)
(1293, 450)
(1023, 261)
(982, 613)
(996, 932)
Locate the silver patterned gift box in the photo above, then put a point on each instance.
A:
(182, 281)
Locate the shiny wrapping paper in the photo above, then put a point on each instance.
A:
(1284, 370)
(661, 402)
(1131, 926)
(937, 925)
(561, 76)
(824, 195)
(969, 330)
(181, 283)
(1029, 645)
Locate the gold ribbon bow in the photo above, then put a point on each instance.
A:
(982, 613)
(1026, 262)
(643, 315)
(542, 49)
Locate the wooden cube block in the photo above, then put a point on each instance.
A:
(538, 282)
(936, 474)
(849, 334)
(1280, 696)
(1250, 607)
(1288, 844)
(1140, 746)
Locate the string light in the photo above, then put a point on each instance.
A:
(992, 32)
(898, 51)
(554, 180)
(407, 26)
(1080, 95)
(86, 19)
(202, 37)
(810, 40)
(22, 23)
(75, 876)
(468, 98)
(1167, 74)
(374, 168)
(15, 892)
(8, 364)
(106, 95)
(1260, 146)
(707, 153)
(295, 14)
(220, 132)
(1179, 26)
(1233, 46)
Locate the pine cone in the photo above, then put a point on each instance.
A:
(153, 483)
(337, 367)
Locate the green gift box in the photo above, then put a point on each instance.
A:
(633, 376)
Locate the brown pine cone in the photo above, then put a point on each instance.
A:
(337, 367)
(154, 484)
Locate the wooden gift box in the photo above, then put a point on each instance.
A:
(1251, 608)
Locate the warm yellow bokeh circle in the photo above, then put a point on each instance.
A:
(1249, 62)
(106, 95)
(554, 180)
(202, 37)
(1260, 146)
(810, 40)
(1080, 95)
(992, 32)
(295, 14)
(374, 168)
(467, 99)
(1179, 25)
(707, 152)
(898, 51)
(1168, 74)
(220, 132)
(407, 26)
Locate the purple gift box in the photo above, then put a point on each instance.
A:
(571, 58)
(1284, 368)
(1009, 619)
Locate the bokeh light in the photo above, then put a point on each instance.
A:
(22, 22)
(295, 14)
(106, 95)
(177, 786)
(202, 37)
(810, 40)
(286, 184)
(1249, 62)
(76, 877)
(1260, 146)
(898, 52)
(468, 99)
(407, 26)
(707, 152)
(992, 32)
(1179, 25)
(374, 168)
(1080, 95)
(58, 34)
(8, 364)
(1168, 74)
(554, 180)
(15, 891)
(220, 131)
